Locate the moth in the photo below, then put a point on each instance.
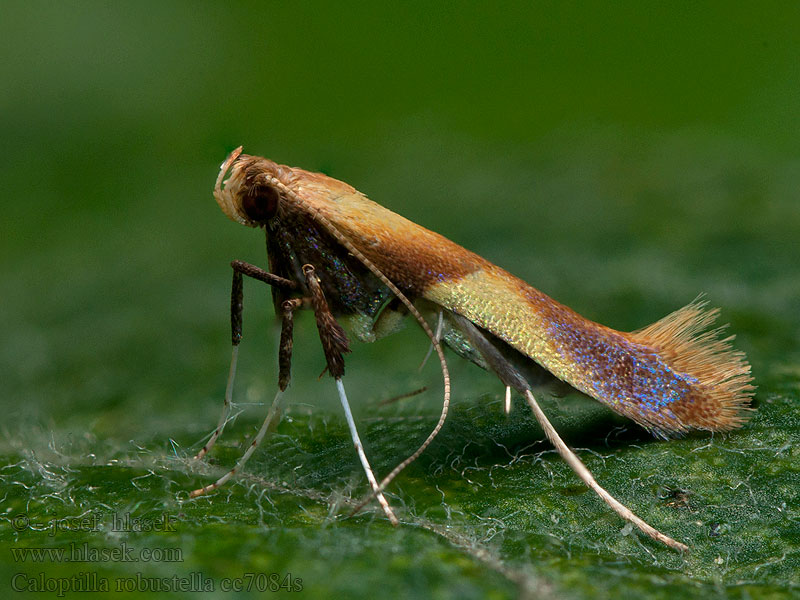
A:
(351, 261)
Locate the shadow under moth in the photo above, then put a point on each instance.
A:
(349, 260)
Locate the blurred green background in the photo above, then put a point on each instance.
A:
(622, 157)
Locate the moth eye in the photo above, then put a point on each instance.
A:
(261, 203)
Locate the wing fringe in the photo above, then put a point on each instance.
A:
(721, 398)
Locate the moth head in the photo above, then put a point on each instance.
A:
(252, 194)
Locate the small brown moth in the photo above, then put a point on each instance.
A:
(348, 259)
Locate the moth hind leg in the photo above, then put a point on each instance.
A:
(511, 377)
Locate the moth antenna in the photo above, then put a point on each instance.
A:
(325, 222)
(362, 455)
(586, 476)
(438, 334)
(273, 410)
(226, 406)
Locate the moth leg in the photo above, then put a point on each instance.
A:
(411, 394)
(373, 482)
(270, 422)
(437, 335)
(255, 272)
(273, 411)
(236, 337)
(511, 377)
(335, 344)
(239, 268)
(586, 476)
(287, 341)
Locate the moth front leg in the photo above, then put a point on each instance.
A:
(334, 345)
(284, 362)
(237, 294)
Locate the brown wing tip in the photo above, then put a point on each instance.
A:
(721, 398)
